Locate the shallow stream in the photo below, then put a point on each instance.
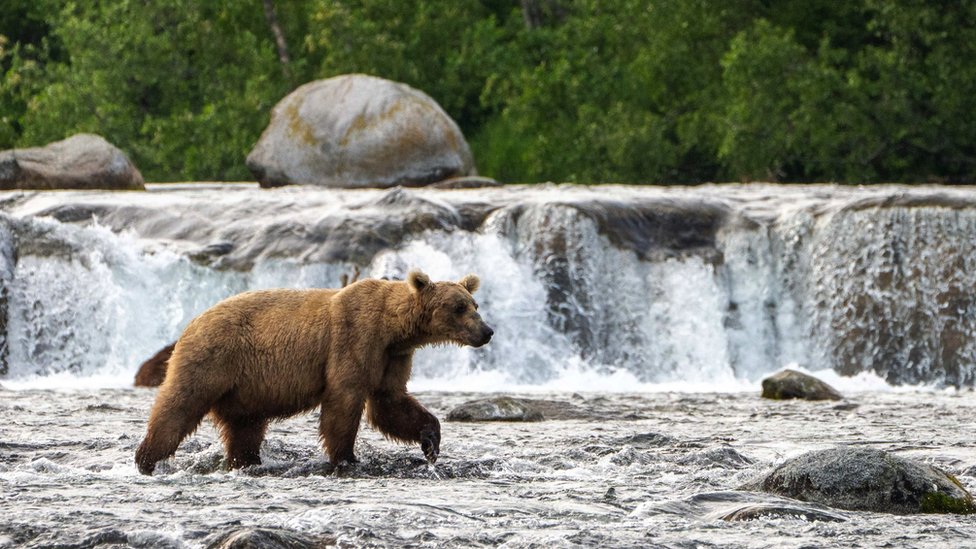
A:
(606, 470)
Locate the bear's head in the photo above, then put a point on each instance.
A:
(449, 311)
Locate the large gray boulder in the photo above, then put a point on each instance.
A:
(864, 479)
(357, 131)
(82, 161)
(790, 384)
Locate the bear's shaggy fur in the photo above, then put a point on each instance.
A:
(271, 354)
(153, 371)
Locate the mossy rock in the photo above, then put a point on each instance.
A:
(862, 479)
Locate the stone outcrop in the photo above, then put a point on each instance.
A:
(82, 161)
(864, 479)
(501, 408)
(357, 131)
(790, 384)
(266, 538)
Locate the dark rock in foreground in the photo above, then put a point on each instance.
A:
(861, 479)
(768, 510)
(790, 384)
(359, 131)
(266, 538)
(501, 408)
(153, 371)
(82, 161)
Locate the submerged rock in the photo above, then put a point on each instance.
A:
(82, 161)
(153, 371)
(266, 538)
(500, 408)
(737, 506)
(790, 384)
(773, 510)
(356, 131)
(725, 457)
(862, 479)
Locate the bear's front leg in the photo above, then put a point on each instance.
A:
(400, 417)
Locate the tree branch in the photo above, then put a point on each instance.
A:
(272, 17)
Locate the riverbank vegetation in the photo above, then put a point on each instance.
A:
(635, 91)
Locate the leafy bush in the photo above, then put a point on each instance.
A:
(633, 91)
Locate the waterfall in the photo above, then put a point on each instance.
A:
(603, 288)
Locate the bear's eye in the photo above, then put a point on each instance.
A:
(460, 308)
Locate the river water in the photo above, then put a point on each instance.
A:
(644, 318)
(618, 470)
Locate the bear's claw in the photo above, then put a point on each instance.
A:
(430, 442)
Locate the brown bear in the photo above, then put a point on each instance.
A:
(271, 354)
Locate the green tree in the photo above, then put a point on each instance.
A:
(183, 86)
(25, 47)
(888, 106)
(620, 91)
(448, 49)
(634, 91)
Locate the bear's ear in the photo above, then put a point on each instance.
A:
(417, 280)
(470, 282)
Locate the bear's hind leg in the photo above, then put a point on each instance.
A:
(169, 424)
(179, 409)
(339, 424)
(242, 439)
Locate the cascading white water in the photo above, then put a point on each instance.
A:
(810, 276)
(894, 293)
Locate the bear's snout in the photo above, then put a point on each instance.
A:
(486, 333)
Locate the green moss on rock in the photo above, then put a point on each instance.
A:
(937, 502)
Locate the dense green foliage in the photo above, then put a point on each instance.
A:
(637, 91)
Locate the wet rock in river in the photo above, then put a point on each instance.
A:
(768, 510)
(649, 440)
(790, 384)
(862, 479)
(500, 408)
(724, 457)
(734, 506)
(266, 538)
